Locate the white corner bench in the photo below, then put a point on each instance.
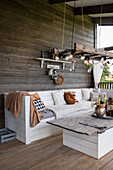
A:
(21, 125)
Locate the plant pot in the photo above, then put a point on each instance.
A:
(100, 111)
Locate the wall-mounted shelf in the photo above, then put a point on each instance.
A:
(55, 61)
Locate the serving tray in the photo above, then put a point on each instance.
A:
(103, 117)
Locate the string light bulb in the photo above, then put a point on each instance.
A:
(102, 60)
(89, 70)
(82, 58)
(90, 61)
(85, 62)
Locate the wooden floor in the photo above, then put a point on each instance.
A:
(49, 154)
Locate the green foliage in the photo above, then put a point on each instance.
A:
(105, 74)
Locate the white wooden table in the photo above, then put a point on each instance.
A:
(96, 145)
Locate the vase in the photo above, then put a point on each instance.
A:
(100, 111)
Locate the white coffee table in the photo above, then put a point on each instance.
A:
(96, 145)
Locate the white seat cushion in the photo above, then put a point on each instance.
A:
(64, 110)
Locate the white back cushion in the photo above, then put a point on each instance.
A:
(86, 94)
(46, 97)
(58, 97)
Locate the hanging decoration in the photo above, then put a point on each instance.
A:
(89, 53)
(90, 63)
(86, 53)
(59, 80)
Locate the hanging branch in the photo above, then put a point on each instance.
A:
(93, 51)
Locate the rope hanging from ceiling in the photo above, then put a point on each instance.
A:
(73, 28)
(83, 25)
(100, 22)
(63, 30)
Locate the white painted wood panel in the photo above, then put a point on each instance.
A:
(79, 141)
(96, 145)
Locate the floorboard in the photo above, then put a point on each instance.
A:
(49, 154)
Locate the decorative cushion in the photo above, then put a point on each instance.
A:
(58, 97)
(69, 98)
(39, 104)
(86, 94)
(72, 92)
(94, 96)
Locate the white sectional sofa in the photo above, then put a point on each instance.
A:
(21, 125)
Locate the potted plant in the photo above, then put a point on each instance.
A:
(100, 106)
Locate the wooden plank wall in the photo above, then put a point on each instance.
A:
(26, 28)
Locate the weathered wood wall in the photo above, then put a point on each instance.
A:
(26, 28)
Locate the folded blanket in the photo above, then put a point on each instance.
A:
(14, 101)
(47, 113)
(65, 110)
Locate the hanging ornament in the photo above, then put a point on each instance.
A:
(85, 61)
(89, 70)
(82, 58)
(102, 60)
(90, 61)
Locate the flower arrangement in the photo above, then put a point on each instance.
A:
(90, 65)
(101, 102)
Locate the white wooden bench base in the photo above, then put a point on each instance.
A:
(96, 145)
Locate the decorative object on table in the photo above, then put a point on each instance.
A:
(103, 117)
(100, 106)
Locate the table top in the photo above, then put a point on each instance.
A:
(83, 124)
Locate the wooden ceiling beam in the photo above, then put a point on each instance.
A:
(108, 48)
(104, 20)
(59, 1)
(106, 8)
(91, 50)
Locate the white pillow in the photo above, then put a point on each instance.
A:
(58, 97)
(86, 94)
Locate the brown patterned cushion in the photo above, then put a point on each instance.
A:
(69, 98)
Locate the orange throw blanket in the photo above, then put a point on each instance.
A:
(14, 102)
